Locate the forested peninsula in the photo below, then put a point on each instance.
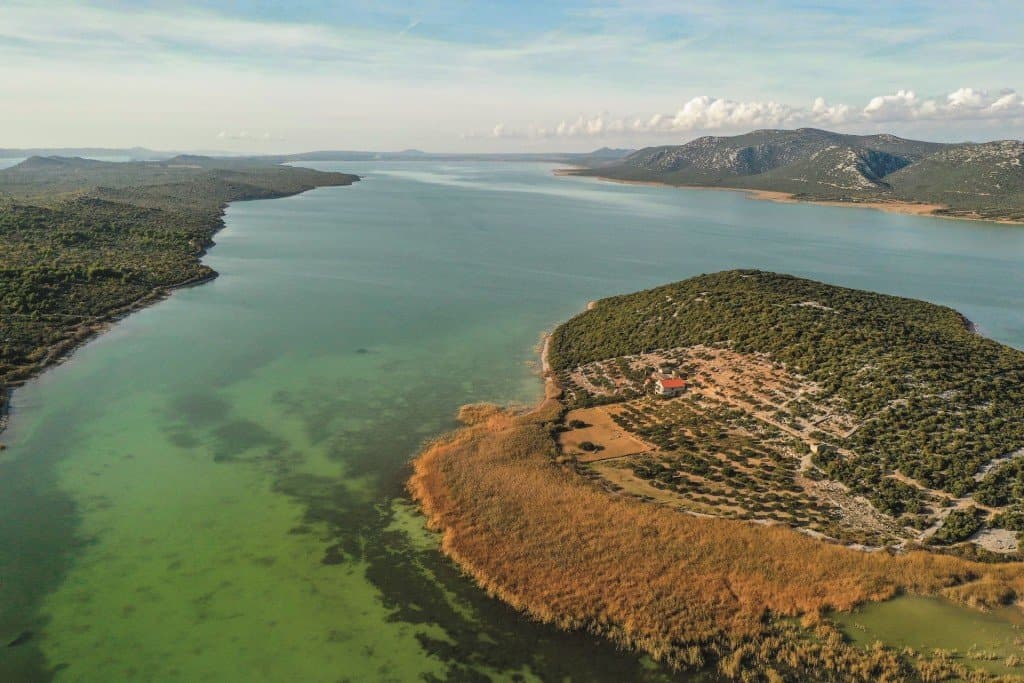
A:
(84, 242)
(721, 463)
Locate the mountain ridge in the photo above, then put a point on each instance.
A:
(969, 180)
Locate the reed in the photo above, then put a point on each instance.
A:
(687, 590)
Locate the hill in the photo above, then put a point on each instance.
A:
(971, 180)
(112, 152)
(804, 422)
(898, 400)
(86, 241)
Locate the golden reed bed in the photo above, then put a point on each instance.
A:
(689, 591)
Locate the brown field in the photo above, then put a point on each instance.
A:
(688, 590)
(615, 442)
(753, 383)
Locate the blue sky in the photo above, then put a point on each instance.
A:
(444, 75)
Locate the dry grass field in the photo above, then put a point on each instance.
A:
(688, 590)
(601, 429)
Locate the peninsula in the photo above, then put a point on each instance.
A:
(86, 242)
(720, 463)
(981, 181)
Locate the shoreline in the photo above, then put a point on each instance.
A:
(906, 208)
(83, 332)
(551, 388)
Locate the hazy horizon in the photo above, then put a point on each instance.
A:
(410, 150)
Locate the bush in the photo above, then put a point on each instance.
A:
(958, 525)
(1012, 519)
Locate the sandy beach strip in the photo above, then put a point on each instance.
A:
(893, 206)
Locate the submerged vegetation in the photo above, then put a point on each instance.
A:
(688, 586)
(86, 241)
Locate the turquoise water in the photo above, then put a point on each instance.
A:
(213, 489)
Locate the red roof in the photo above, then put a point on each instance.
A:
(672, 383)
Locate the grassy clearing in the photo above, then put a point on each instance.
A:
(598, 427)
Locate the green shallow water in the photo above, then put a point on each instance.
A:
(213, 489)
(981, 639)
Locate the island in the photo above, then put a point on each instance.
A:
(721, 464)
(86, 242)
(980, 181)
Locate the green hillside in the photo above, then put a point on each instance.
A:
(972, 180)
(932, 400)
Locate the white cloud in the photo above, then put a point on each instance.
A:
(963, 104)
(898, 107)
(247, 135)
(706, 113)
(709, 113)
(86, 33)
(825, 114)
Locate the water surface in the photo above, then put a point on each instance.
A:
(213, 489)
(985, 640)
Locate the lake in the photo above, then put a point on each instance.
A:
(213, 490)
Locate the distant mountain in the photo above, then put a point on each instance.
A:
(143, 154)
(610, 153)
(188, 178)
(972, 180)
(132, 153)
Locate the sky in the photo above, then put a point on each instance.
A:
(521, 75)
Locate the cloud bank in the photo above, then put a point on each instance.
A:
(706, 113)
(246, 135)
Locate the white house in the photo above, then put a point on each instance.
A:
(669, 386)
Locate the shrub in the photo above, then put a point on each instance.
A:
(958, 525)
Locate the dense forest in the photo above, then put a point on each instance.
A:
(82, 241)
(935, 401)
